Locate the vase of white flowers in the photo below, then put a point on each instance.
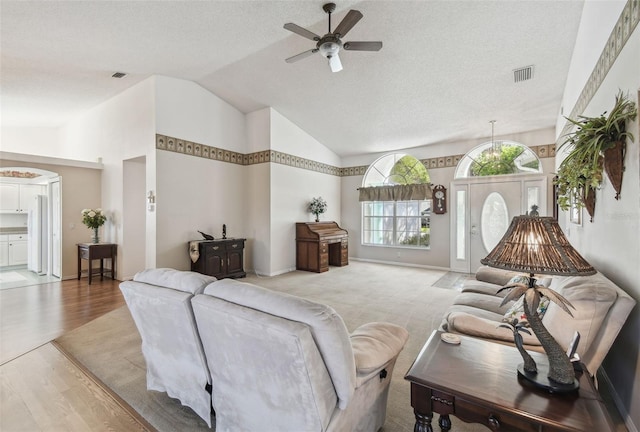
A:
(317, 206)
(93, 219)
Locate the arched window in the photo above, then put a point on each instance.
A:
(496, 158)
(396, 202)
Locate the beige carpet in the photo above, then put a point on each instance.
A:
(360, 292)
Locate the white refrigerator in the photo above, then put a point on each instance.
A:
(37, 235)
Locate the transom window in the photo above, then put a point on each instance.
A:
(395, 213)
(496, 158)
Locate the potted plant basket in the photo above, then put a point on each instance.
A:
(577, 181)
(597, 144)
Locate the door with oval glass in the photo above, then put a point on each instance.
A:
(492, 205)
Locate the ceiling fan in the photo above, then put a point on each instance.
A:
(330, 44)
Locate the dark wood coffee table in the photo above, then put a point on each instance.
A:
(477, 382)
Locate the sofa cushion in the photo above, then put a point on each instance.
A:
(495, 276)
(485, 302)
(489, 281)
(483, 325)
(481, 287)
(591, 298)
(185, 281)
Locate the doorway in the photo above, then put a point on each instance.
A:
(30, 227)
(482, 210)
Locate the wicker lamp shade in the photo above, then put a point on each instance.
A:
(532, 245)
(537, 245)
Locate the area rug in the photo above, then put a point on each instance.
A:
(109, 347)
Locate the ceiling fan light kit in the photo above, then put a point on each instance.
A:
(330, 44)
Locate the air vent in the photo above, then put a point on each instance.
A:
(523, 73)
(119, 75)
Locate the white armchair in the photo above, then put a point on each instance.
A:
(283, 363)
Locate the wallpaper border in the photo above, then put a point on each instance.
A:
(177, 145)
(626, 24)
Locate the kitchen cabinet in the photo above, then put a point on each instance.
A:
(4, 250)
(9, 196)
(13, 249)
(18, 198)
(18, 249)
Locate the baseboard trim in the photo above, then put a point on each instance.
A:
(400, 264)
(276, 273)
(624, 414)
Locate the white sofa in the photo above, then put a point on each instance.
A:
(275, 362)
(601, 309)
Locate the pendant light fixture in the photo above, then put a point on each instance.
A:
(495, 150)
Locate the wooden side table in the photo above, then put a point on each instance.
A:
(477, 382)
(94, 251)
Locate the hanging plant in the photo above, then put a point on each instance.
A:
(575, 180)
(597, 144)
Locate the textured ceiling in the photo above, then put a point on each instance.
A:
(445, 70)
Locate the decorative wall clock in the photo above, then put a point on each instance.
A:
(439, 199)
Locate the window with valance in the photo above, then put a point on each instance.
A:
(396, 202)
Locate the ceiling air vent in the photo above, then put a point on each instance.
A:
(119, 75)
(523, 74)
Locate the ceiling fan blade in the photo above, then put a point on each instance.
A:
(302, 31)
(362, 46)
(352, 17)
(302, 55)
(335, 64)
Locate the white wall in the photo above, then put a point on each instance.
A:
(289, 138)
(121, 128)
(194, 193)
(611, 242)
(42, 141)
(595, 27)
(187, 111)
(291, 190)
(258, 214)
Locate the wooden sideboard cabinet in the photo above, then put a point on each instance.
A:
(320, 244)
(222, 258)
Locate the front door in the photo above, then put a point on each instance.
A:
(484, 210)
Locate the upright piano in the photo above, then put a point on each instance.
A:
(320, 244)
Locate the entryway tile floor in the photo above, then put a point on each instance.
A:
(16, 277)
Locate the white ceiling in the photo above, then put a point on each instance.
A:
(445, 70)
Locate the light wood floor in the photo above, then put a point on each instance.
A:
(40, 388)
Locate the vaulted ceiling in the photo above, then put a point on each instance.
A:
(445, 70)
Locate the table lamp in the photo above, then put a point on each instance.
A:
(537, 245)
